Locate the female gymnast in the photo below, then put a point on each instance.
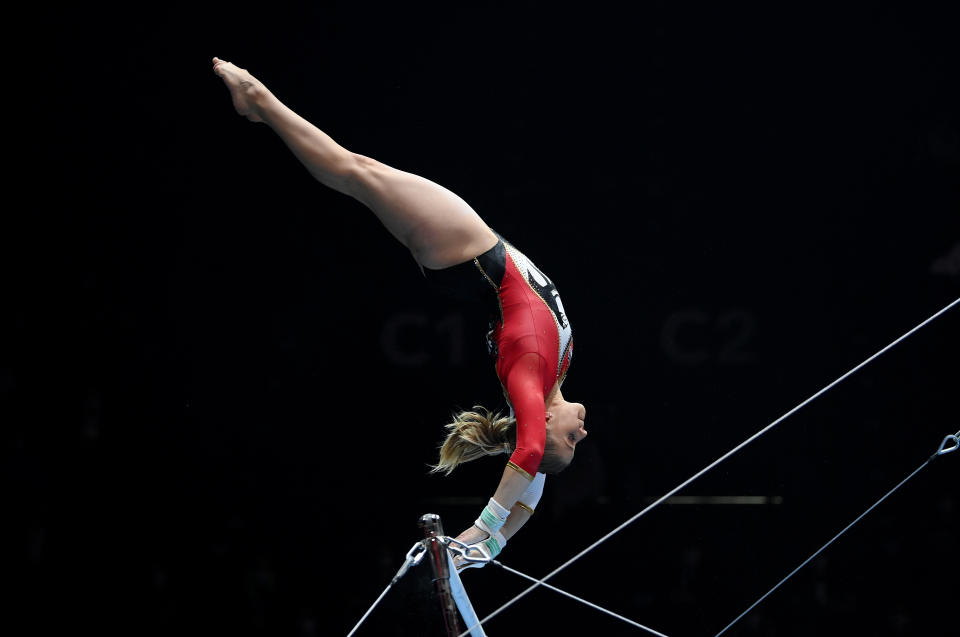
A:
(530, 334)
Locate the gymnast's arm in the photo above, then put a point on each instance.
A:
(518, 517)
(524, 507)
(525, 389)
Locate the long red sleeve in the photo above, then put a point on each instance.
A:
(525, 388)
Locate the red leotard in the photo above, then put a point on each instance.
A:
(534, 348)
(531, 336)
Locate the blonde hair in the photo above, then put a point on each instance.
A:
(475, 434)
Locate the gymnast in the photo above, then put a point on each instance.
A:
(530, 334)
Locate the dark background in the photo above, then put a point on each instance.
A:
(222, 383)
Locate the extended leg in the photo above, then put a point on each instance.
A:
(439, 228)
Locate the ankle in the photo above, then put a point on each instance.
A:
(257, 96)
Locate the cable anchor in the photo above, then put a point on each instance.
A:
(414, 556)
(954, 441)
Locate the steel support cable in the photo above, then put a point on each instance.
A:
(955, 443)
(713, 464)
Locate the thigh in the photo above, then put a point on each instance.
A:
(435, 224)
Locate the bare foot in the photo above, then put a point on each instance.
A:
(244, 88)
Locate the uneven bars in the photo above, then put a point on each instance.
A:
(463, 602)
(439, 562)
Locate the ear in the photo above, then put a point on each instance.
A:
(549, 416)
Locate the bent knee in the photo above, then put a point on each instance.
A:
(358, 176)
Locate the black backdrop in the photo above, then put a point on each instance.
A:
(222, 383)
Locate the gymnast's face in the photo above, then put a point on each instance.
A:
(565, 427)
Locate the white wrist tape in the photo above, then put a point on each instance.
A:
(492, 517)
(531, 497)
(495, 543)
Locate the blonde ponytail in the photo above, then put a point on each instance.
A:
(472, 435)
